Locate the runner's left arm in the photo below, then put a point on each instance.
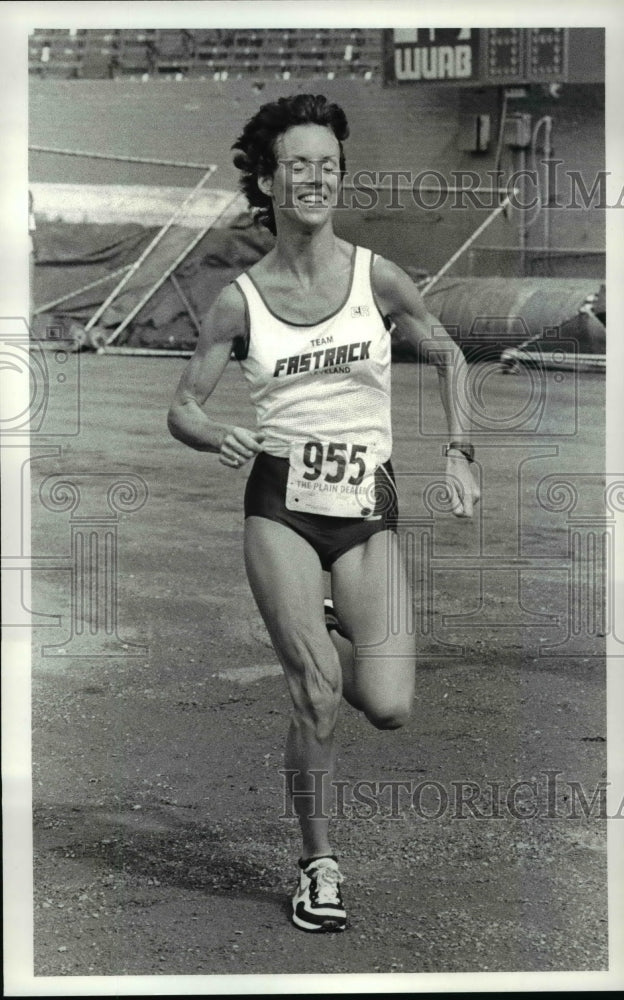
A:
(399, 299)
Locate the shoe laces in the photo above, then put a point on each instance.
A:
(325, 882)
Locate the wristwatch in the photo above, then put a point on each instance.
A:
(467, 450)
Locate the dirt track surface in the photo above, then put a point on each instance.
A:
(159, 847)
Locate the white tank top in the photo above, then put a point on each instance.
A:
(327, 381)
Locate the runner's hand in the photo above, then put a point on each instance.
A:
(239, 445)
(462, 485)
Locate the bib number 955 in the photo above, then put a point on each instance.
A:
(335, 478)
(316, 458)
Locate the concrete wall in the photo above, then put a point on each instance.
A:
(412, 128)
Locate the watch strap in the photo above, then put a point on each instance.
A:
(467, 450)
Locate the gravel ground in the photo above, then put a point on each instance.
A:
(161, 844)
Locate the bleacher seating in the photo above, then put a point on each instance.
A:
(234, 53)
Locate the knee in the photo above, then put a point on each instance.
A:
(389, 716)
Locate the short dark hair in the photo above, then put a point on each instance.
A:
(257, 157)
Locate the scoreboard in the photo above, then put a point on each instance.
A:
(533, 54)
(435, 53)
(490, 56)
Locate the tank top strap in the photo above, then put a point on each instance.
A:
(245, 285)
(361, 271)
(362, 289)
(249, 290)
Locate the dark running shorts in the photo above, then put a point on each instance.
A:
(330, 537)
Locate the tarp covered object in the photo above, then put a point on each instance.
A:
(490, 314)
(481, 313)
(69, 256)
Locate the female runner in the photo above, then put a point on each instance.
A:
(309, 323)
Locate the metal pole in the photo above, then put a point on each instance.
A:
(445, 267)
(185, 302)
(124, 159)
(79, 291)
(134, 267)
(170, 269)
(547, 156)
(522, 227)
(146, 352)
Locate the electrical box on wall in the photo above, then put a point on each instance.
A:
(518, 130)
(474, 136)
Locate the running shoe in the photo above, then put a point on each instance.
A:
(331, 620)
(317, 902)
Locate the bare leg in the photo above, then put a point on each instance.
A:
(371, 592)
(375, 664)
(286, 578)
(344, 649)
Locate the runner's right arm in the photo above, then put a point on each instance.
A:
(187, 419)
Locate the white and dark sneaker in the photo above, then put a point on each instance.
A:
(331, 619)
(317, 903)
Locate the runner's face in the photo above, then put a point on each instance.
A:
(306, 183)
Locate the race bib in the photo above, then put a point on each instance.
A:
(335, 478)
